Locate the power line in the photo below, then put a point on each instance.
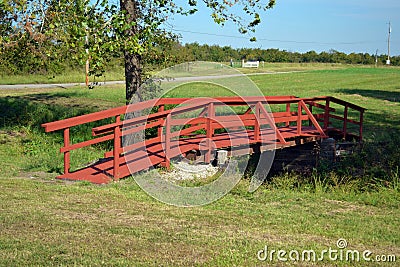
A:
(276, 40)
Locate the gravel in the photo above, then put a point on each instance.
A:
(183, 170)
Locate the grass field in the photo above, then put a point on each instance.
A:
(44, 222)
(116, 73)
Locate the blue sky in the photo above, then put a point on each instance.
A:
(304, 25)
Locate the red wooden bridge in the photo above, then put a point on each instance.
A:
(181, 125)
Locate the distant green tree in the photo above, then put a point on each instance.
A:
(310, 56)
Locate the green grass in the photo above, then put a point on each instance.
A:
(68, 76)
(48, 222)
(53, 223)
(116, 73)
(289, 67)
(377, 89)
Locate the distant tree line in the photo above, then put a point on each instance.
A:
(195, 51)
(50, 36)
(36, 56)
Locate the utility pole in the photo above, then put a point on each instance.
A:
(376, 58)
(390, 31)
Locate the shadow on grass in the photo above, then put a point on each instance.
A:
(31, 111)
(378, 94)
(382, 123)
(34, 109)
(27, 113)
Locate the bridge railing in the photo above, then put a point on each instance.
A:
(329, 112)
(297, 112)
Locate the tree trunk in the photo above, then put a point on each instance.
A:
(133, 68)
(133, 73)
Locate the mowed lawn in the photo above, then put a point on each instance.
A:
(44, 222)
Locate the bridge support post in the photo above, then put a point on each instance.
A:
(168, 142)
(257, 122)
(160, 109)
(287, 110)
(210, 132)
(67, 155)
(117, 146)
(299, 121)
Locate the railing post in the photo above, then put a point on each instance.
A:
(67, 155)
(117, 146)
(257, 123)
(310, 107)
(287, 110)
(326, 115)
(299, 121)
(346, 110)
(168, 141)
(210, 131)
(160, 109)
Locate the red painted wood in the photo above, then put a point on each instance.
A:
(344, 103)
(315, 104)
(257, 122)
(287, 111)
(209, 131)
(117, 145)
(67, 123)
(310, 108)
(342, 119)
(160, 150)
(66, 153)
(272, 124)
(312, 119)
(299, 120)
(167, 143)
(288, 119)
(140, 159)
(86, 143)
(161, 122)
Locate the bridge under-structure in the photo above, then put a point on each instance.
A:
(177, 126)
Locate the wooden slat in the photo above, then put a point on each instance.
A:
(317, 105)
(344, 103)
(342, 119)
(100, 115)
(87, 143)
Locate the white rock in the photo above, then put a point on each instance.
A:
(186, 171)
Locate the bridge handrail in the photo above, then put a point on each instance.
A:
(104, 114)
(114, 131)
(328, 109)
